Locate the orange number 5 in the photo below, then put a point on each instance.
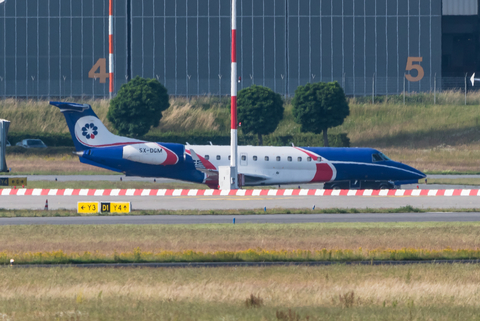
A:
(418, 68)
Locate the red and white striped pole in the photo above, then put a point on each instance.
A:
(110, 45)
(234, 124)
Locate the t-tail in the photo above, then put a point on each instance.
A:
(87, 130)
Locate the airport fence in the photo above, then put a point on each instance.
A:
(372, 86)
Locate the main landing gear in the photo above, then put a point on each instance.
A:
(359, 185)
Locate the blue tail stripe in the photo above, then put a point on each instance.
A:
(72, 113)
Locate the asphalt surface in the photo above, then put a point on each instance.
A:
(206, 203)
(243, 219)
(116, 178)
(235, 264)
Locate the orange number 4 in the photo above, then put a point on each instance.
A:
(101, 65)
(418, 68)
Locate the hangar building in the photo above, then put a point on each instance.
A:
(57, 47)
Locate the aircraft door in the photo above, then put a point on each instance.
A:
(243, 159)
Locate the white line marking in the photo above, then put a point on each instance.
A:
(449, 192)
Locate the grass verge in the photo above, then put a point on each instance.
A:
(428, 292)
(107, 240)
(66, 213)
(250, 255)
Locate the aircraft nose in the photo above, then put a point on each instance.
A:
(413, 173)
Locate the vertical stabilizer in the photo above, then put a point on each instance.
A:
(86, 128)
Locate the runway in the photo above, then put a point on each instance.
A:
(243, 219)
(206, 203)
(117, 177)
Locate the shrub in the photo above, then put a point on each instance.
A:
(138, 106)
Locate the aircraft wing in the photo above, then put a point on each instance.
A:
(204, 168)
(199, 165)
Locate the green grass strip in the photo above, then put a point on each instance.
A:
(406, 209)
(250, 255)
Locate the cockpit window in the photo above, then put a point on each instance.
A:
(380, 157)
(384, 157)
(377, 158)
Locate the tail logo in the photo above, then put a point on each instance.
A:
(90, 131)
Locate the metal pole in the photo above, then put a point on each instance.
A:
(435, 89)
(110, 41)
(188, 87)
(466, 89)
(404, 89)
(373, 89)
(234, 123)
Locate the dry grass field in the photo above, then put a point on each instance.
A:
(223, 237)
(338, 292)
(55, 165)
(427, 292)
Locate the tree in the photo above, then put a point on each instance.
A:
(320, 106)
(138, 106)
(260, 110)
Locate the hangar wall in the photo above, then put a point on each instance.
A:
(50, 47)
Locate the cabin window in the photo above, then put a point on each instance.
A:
(377, 158)
(319, 159)
(244, 158)
(207, 157)
(289, 158)
(279, 158)
(255, 158)
(299, 159)
(267, 158)
(219, 157)
(309, 159)
(229, 157)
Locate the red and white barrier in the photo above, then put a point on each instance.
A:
(240, 192)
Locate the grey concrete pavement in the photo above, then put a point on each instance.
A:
(115, 178)
(243, 202)
(242, 219)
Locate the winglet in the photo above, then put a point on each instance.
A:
(473, 79)
(198, 162)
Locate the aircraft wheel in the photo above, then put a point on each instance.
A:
(384, 186)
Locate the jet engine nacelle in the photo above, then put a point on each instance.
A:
(155, 153)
